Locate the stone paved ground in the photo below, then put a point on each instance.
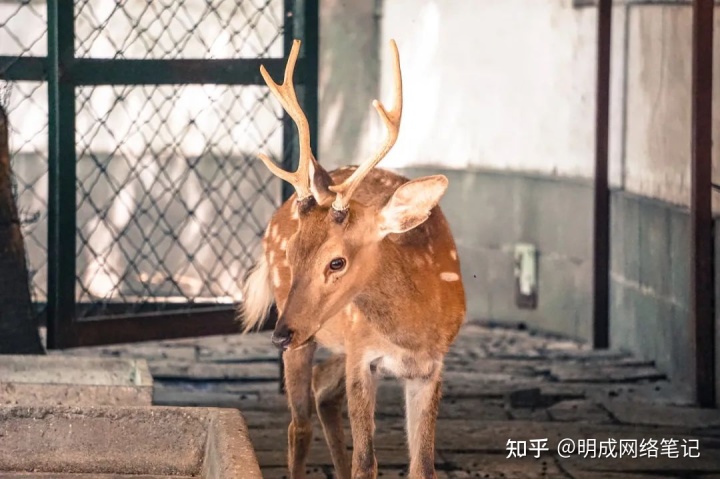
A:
(500, 385)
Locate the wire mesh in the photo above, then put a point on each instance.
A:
(23, 34)
(185, 29)
(23, 28)
(170, 200)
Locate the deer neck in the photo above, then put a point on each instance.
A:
(387, 289)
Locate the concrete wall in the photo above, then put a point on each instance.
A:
(509, 86)
(650, 284)
(492, 211)
(657, 152)
(483, 81)
(349, 79)
(511, 208)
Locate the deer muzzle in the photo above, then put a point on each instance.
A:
(282, 336)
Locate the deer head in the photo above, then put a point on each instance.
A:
(340, 242)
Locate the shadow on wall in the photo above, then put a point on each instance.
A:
(349, 80)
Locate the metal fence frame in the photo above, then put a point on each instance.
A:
(702, 288)
(64, 72)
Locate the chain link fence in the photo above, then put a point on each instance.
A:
(23, 32)
(170, 200)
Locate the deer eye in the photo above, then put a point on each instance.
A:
(337, 264)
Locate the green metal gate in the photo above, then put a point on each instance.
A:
(149, 200)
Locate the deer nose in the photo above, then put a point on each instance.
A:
(282, 335)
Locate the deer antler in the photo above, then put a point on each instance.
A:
(391, 119)
(285, 93)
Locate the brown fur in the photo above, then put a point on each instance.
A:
(395, 309)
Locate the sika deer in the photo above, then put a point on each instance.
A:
(360, 261)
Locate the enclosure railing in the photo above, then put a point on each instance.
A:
(134, 129)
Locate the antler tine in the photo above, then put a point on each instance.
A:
(391, 119)
(285, 93)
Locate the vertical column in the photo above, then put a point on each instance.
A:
(289, 147)
(601, 245)
(311, 39)
(301, 16)
(61, 174)
(289, 152)
(701, 264)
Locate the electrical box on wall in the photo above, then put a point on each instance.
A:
(525, 276)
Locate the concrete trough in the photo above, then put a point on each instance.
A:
(117, 442)
(74, 381)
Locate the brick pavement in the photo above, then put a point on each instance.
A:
(500, 384)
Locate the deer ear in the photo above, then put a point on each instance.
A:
(410, 205)
(320, 183)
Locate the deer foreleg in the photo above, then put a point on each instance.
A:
(329, 390)
(298, 380)
(422, 400)
(361, 390)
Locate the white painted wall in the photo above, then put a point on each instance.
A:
(349, 80)
(658, 154)
(511, 86)
(505, 85)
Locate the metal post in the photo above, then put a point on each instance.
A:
(701, 292)
(601, 245)
(289, 151)
(311, 37)
(301, 16)
(61, 177)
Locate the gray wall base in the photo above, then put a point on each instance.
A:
(491, 211)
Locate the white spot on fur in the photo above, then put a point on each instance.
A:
(274, 231)
(277, 281)
(453, 254)
(449, 276)
(350, 313)
(283, 244)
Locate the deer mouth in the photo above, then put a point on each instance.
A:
(301, 344)
(309, 339)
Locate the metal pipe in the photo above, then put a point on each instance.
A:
(311, 37)
(303, 17)
(601, 245)
(61, 175)
(701, 226)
